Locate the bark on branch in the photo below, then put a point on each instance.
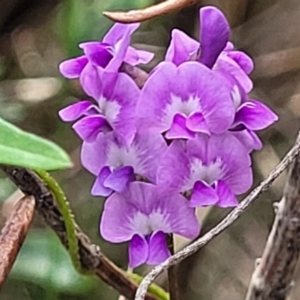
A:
(273, 276)
(91, 258)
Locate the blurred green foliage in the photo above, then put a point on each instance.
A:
(80, 21)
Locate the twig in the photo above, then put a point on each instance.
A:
(273, 276)
(14, 233)
(92, 260)
(148, 13)
(225, 223)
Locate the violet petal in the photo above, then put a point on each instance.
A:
(89, 127)
(73, 67)
(254, 115)
(99, 189)
(179, 129)
(138, 251)
(75, 111)
(158, 250)
(214, 34)
(119, 179)
(203, 195)
(226, 196)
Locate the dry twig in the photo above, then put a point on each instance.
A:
(273, 276)
(148, 13)
(14, 233)
(92, 260)
(224, 224)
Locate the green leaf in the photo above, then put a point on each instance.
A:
(23, 149)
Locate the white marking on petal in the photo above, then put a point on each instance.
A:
(236, 97)
(178, 105)
(146, 224)
(208, 173)
(119, 156)
(110, 109)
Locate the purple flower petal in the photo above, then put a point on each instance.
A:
(254, 115)
(119, 32)
(214, 97)
(229, 46)
(182, 48)
(205, 160)
(118, 104)
(118, 180)
(135, 57)
(145, 208)
(214, 34)
(179, 129)
(226, 65)
(73, 67)
(226, 196)
(91, 81)
(98, 188)
(203, 195)
(172, 175)
(158, 250)
(89, 127)
(116, 220)
(196, 123)
(200, 90)
(119, 36)
(75, 111)
(138, 251)
(97, 52)
(248, 139)
(243, 60)
(236, 162)
(143, 154)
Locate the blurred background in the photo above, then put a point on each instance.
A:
(36, 35)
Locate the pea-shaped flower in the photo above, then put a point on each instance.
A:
(116, 164)
(182, 101)
(108, 53)
(212, 169)
(115, 97)
(213, 48)
(143, 215)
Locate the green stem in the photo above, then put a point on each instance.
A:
(64, 209)
(154, 289)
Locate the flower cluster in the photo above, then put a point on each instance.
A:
(181, 141)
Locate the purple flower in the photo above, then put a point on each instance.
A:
(251, 115)
(181, 101)
(116, 164)
(116, 96)
(143, 215)
(213, 50)
(108, 54)
(214, 169)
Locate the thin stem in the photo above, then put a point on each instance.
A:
(172, 272)
(65, 210)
